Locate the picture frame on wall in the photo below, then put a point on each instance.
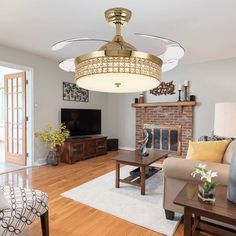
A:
(71, 92)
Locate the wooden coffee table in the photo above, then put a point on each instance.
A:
(223, 211)
(135, 159)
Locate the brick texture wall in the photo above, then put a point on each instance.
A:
(162, 115)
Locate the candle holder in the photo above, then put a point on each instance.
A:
(179, 99)
(185, 93)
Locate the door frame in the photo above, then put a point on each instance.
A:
(29, 109)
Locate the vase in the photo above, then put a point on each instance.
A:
(206, 195)
(53, 157)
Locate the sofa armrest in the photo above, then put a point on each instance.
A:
(179, 168)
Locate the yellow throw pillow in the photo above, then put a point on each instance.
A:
(211, 151)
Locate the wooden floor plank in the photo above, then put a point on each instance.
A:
(67, 217)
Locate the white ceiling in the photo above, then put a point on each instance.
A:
(205, 28)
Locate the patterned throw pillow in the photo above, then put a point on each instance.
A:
(3, 202)
(214, 138)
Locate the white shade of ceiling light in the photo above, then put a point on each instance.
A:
(128, 83)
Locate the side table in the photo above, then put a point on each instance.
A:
(223, 211)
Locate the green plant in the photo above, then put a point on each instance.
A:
(206, 177)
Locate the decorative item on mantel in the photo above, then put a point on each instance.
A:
(206, 190)
(186, 92)
(225, 126)
(141, 98)
(180, 90)
(54, 138)
(164, 89)
(186, 86)
(192, 98)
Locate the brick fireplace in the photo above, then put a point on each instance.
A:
(164, 116)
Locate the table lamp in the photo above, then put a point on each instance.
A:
(225, 126)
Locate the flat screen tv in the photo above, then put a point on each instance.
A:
(81, 121)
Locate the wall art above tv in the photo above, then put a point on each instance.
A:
(71, 92)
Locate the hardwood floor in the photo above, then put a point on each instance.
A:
(67, 217)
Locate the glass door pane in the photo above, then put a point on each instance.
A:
(15, 118)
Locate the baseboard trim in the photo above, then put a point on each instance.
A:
(40, 162)
(126, 148)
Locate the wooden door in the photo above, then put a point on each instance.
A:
(15, 118)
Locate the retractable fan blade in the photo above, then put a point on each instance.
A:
(173, 53)
(68, 65)
(59, 45)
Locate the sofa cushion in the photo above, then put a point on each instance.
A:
(231, 149)
(211, 151)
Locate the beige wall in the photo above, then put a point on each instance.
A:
(47, 82)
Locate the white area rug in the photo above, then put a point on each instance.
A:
(127, 202)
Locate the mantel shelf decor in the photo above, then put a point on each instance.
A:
(164, 104)
(164, 89)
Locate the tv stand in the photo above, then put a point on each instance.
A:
(83, 147)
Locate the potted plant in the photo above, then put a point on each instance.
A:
(206, 190)
(54, 138)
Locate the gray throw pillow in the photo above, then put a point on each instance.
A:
(231, 149)
(3, 202)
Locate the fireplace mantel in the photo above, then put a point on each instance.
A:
(164, 104)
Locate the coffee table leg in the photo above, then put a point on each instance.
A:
(142, 180)
(187, 222)
(117, 174)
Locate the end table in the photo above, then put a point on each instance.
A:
(222, 210)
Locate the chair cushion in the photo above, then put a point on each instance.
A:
(3, 202)
(25, 205)
(231, 149)
(210, 151)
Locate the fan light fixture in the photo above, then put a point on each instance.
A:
(118, 67)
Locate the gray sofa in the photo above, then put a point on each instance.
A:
(177, 172)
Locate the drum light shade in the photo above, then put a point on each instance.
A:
(118, 74)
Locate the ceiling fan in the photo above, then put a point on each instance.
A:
(117, 66)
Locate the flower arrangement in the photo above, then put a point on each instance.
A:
(206, 191)
(53, 137)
